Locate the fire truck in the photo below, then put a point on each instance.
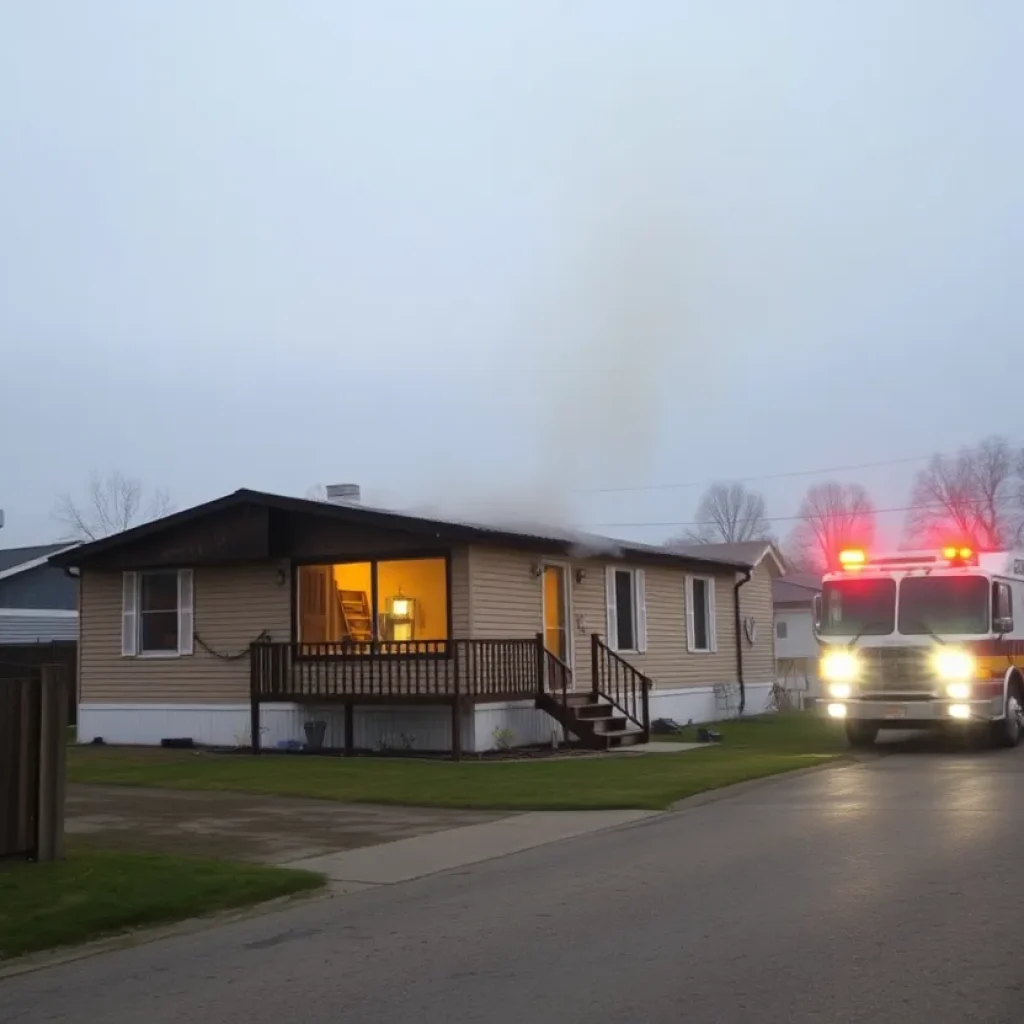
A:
(924, 640)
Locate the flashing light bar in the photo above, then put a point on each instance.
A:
(957, 554)
(852, 557)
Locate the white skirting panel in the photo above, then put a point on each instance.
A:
(227, 725)
(698, 703)
(515, 724)
(484, 727)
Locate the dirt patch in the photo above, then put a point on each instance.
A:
(270, 830)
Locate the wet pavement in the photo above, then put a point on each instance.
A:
(273, 830)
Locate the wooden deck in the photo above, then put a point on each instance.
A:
(435, 671)
(455, 673)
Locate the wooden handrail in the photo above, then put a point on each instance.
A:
(621, 684)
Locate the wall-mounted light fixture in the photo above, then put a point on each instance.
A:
(282, 577)
(537, 569)
(581, 575)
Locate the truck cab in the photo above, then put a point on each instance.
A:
(924, 640)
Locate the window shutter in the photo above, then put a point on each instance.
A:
(688, 595)
(712, 616)
(640, 582)
(613, 629)
(186, 612)
(129, 614)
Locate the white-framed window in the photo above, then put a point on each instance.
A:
(781, 629)
(627, 609)
(157, 613)
(700, 614)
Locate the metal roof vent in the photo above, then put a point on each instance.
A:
(343, 494)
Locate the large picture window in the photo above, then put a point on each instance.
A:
(400, 602)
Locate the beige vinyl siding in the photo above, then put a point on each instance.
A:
(232, 607)
(505, 595)
(667, 660)
(459, 596)
(506, 603)
(756, 603)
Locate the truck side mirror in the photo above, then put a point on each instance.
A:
(1002, 612)
(816, 605)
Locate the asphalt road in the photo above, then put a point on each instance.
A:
(888, 891)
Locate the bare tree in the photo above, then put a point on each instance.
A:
(730, 512)
(111, 503)
(1017, 503)
(969, 496)
(831, 516)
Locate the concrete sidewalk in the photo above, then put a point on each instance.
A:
(422, 855)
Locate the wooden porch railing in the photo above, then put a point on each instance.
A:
(622, 685)
(395, 670)
(556, 676)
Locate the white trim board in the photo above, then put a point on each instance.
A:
(39, 613)
(35, 563)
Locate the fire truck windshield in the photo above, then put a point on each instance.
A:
(858, 605)
(943, 604)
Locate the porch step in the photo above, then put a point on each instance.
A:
(597, 724)
(621, 738)
(610, 725)
(592, 710)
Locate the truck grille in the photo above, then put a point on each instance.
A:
(896, 670)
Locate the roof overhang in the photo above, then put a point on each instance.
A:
(432, 530)
(36, 563)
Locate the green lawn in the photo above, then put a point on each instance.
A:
(95, 893)
(751, 749)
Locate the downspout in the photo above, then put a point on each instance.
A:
(747, 574)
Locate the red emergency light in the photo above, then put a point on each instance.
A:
(959, 554)
(852, 558)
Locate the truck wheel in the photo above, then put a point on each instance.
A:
(1007, 731)
(861, 735)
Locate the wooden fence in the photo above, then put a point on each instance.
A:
(33, 745)
(17, 660)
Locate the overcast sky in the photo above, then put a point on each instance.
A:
(519, 248)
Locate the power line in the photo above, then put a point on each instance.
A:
(756, 479)
(790, 519)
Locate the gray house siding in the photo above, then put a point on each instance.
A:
(43, 587)
(37, 629)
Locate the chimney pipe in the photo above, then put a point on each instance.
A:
(343, 494)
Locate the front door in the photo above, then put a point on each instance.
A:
(556, 612)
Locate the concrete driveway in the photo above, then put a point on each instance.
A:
(270, 830)
(884, 891)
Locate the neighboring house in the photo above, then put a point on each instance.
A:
(398, 630)
(38, 602)
(796, 648)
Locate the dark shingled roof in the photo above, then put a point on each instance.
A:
(12, 557)
(796, 588)
(746, 552)
(574, 542)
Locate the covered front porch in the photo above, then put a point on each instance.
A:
(455, 674)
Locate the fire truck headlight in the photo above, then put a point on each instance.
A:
(839, 667)
(959, 691)
(841, 691)
(954, 666)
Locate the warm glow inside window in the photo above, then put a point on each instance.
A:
(394, 601)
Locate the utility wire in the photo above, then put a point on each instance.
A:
(937, 507)
(769, 476)
(756, 479)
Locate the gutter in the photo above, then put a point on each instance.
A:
(747, 574)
